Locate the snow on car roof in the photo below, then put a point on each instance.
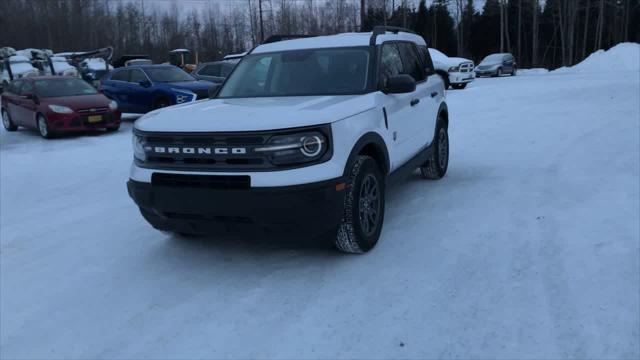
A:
(19, 58)
(180, 50)
(338, 40)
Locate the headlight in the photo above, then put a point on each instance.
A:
(138, 148)
(295, 148)
(454, 68)
(183, 96)
(60, 109)
(113, 106)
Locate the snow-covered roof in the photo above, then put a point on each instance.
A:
(338, 40)
(234, 56)
(19, 58)
(96, 64)
(180, 50)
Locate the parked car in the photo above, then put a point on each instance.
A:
(62, 67)
(215, 71)
(497, 65)
(16, 67)
(56, 104)
(139, 89)
(455, 71)
(304, 136)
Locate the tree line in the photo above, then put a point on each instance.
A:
(549, 33)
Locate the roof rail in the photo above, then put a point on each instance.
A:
(380, 30)
(283, 37)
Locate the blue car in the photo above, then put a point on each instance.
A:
(139, 89)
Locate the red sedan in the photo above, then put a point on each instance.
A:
(55, 104)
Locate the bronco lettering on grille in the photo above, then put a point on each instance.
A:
(196, 150)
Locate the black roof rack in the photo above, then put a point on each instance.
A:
(283, 37)
(380, 30)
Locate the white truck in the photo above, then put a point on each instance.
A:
(455, 71)
(304, 136)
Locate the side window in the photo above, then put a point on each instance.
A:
(121, 75)
(136, 76)
(14, 87)
(27, 88)
(210, 70)
(413, 65)
(390, 63)
(425, 58)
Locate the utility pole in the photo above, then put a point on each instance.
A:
(261, 24)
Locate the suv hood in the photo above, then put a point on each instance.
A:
(254, 114)
(452, 61)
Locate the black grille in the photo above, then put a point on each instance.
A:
(96, 110)
(229, 151)
(202, 181)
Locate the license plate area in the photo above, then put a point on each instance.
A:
(91, 119)
(221, 182)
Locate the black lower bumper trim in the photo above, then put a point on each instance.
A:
(301, 209)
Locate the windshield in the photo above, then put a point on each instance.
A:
(168, 74)
(495, 58)
(309, 72)
(63, 87)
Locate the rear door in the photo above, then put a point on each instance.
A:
(12, 97)
(423, 104)
(397, 107)
(435, 91)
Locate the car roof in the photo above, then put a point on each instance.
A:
(146, 66)
(47, 77)
(338, 40)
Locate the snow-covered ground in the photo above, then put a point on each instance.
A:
(528, 248)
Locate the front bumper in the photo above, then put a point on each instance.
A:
(489, 72)
(308, 209)
(461, 78)
(77, 122)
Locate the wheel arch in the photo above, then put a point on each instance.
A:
(370, 144)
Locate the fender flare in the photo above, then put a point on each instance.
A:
(381, 154)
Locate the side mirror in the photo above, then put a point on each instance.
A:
(400, 84)
(32, 97)
(145, 83)
(213, 91)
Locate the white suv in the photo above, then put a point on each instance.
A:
(304, 136)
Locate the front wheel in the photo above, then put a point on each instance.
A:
(43, 127)
(515, 70)
(7, 122)
(363, 216)
(459, 86)
(436, 166)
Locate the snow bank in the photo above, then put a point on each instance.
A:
(622, 57)
(534, 71)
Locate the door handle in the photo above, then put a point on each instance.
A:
(414, 102)
(434, 94)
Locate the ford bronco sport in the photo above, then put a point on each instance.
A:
(304, 135)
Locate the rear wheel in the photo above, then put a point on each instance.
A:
(515, 70)
(7, 122)
(459, 86)
(361, 223)
(43, 127)
(436, 166)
